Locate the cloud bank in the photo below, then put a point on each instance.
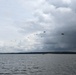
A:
(43, 32)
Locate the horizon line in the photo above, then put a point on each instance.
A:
(64, 52)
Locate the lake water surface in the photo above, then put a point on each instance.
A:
(37, 64)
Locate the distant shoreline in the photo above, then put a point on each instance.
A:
(41, 53)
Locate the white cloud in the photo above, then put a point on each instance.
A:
(66, 1)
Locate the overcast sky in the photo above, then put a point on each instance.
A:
(37, 25)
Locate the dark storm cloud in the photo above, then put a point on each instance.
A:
(64, 22)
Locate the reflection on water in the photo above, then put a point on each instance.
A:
(30, 64)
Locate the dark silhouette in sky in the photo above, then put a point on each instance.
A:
(62, 33)
(44, 31)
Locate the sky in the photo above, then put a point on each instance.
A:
(37, 25)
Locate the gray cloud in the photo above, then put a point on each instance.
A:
(55, 17)
(44, 31)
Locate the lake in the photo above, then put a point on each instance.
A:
(37, 64)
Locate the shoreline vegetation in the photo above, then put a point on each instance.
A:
(40, 53)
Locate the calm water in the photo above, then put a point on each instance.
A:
(30, 64)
